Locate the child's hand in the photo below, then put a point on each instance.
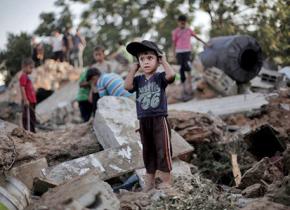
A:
(134, 67)
(163, 60)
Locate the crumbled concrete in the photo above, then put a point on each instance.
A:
(28, 171)
(85, 192)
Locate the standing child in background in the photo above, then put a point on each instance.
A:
(101, 64)
(151, 103)
(182, 50)
(28, 97)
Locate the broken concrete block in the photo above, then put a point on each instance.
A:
(263, 142)
(85, 192)
(28, 171)
(60, 99)
(116, 121)
(257, 85)
(14, 195)
(221, 82)
(271, 76)
(223, 106)
(108, 163)
(263, 170)
(6, 127)
(254, 191)
(42, 185)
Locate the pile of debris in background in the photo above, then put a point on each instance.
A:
(229, 152)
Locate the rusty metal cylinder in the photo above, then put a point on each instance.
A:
(240, 56)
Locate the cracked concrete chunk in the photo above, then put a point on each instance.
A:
(116, 122)
(108, 164)
(28, 171)
(85, 192)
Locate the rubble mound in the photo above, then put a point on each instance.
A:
(197, 127)
(56, 146)
(191, 192)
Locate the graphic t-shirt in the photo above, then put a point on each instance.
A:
(151, 99)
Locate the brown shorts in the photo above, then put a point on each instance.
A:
(155, 137)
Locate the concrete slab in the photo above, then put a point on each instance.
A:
(85, 192)
(28, 171)
(62, 98)
(116, 122)
(108, 164)
(223, 106)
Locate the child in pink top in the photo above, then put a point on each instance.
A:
(182, 49)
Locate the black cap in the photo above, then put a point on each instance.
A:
(92, 72)
(134, 48)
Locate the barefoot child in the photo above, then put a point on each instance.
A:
(151, 106)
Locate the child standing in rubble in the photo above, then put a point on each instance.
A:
(28, 97)
(182, 50)
(151, 103)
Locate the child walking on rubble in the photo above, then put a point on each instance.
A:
(151, 103)
(28, 97)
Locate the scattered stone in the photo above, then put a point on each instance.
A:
(18, 146)
(42, 185)
(220, 81)
(254, 191)
(85, 192)
(266, 170)
(28, 171)
(197, 127)
(264, 204)
(280, 191)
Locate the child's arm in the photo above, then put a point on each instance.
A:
(199, 39)
(130, 77)
(169, 72)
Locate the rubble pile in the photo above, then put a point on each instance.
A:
(276, 114)
(197, 127)
(56, 146)
(190, 192)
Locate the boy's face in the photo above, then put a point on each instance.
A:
(99, 56)
(148, 62)
(28, 68)
(94, 79)
(182, 23)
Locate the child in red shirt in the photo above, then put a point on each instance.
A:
(28, 97)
